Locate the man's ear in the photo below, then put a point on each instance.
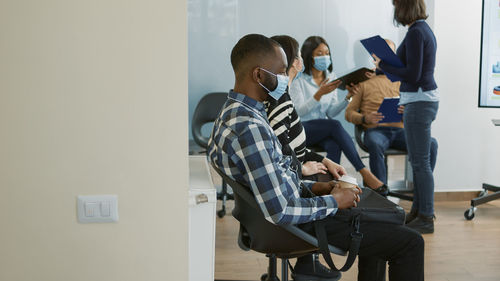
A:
(257, 75)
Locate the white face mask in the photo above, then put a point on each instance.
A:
(280, 88)
(322, 63)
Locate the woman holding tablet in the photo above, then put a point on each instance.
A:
(316, 101)
(420, 96)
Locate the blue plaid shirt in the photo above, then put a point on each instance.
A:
(244, 147)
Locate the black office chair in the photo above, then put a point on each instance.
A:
(207, 111)
(399, 193)
(258, 234)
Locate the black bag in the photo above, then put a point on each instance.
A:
(372, 208)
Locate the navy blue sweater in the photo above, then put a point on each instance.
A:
(418, 54)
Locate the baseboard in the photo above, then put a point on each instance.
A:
(455, 195)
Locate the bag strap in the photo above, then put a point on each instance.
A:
(356, 238)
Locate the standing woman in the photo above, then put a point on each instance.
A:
(420, 96)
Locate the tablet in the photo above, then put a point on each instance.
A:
(354, 77)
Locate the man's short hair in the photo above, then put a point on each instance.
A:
(250, 51)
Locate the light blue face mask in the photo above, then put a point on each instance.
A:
(321, 63)
(280, 88)
(299, 73)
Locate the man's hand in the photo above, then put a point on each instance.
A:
(335, 169)
(324, 188)
(346, 197)
(401, 109)
(373, 118)
(313, 167)
(326, 87)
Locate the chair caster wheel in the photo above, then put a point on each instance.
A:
(469, 214)
(263, 277)
(221, 213)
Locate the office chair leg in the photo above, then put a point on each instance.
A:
(271, 274)
(284, 269)
(223, 195)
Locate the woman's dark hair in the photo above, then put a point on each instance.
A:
(408, 11)
(290, 46)
(307, 49)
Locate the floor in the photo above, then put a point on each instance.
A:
(458, 250)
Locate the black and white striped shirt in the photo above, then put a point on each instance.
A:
(286, 124)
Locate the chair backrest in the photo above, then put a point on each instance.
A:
(206, 111)
(264, 236)
(358, 134)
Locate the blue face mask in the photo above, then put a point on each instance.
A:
(280, 88)
(321, 63)
(299, 73)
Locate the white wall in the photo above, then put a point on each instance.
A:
(469, 150)
(468, 143)
(215, 26)
(90, 95)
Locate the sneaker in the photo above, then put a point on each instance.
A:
(314, 271)
(422, 224)
(411, 216)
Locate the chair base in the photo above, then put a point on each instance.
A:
(401, 189)
(483, 198)
(224, 196)
(272, 271)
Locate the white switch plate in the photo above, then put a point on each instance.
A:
(97, 208)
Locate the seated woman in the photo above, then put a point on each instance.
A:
(286, 125)
(316, 101)
(286, 122)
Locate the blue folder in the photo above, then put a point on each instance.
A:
(376, 45)
(389, 108)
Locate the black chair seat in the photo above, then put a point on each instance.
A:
(400, 193)
(264, 236)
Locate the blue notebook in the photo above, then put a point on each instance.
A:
(389, 108)
(376, 45)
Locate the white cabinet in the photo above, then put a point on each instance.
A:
(202, 201)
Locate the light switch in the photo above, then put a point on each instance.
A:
(97, 208)
(105, 209)
(90, 209)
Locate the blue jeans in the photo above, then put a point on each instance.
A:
(417, 118)
(333, 138)
(379, 139)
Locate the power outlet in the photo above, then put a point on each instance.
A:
(97, 208)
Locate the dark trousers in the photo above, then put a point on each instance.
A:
(401, 247)
(379, 139)
(418, 118)
(333, 138)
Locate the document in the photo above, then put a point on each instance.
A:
(389, 108)
(354, 77)
(376, 45)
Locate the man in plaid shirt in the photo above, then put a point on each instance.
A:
(244, 147)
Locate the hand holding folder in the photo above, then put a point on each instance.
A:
(389, 109)
(376, 45)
